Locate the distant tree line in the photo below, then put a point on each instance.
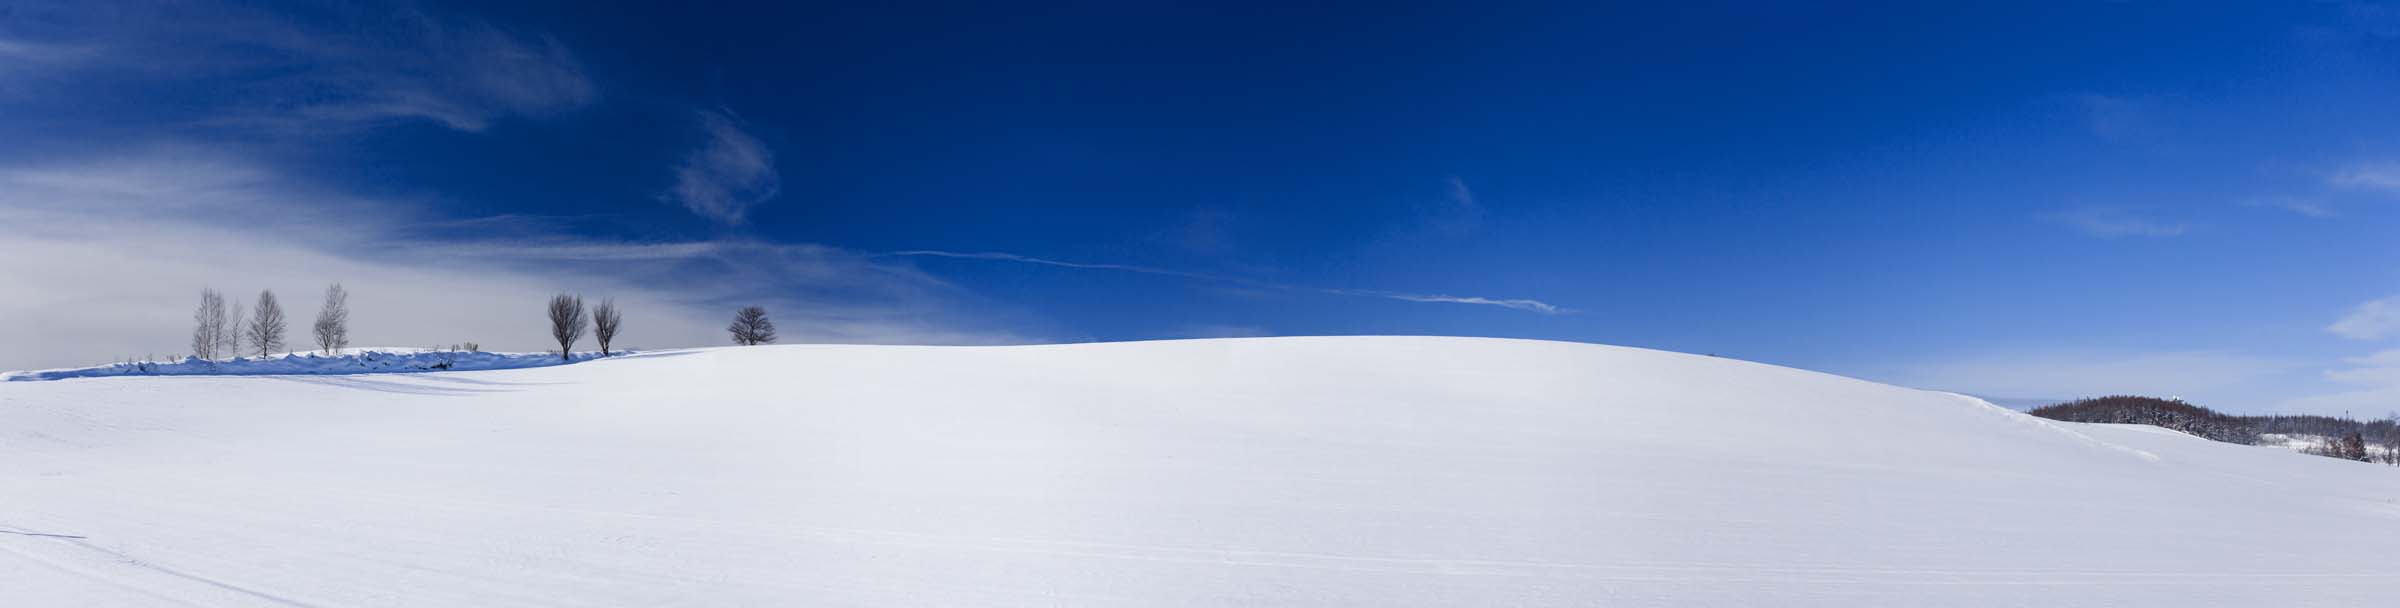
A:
(2177, 415)
(2338, 437)
(220, 331)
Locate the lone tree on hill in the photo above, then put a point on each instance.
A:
(750, 327)
(208, 325)
(266, 326)
(605, 321)
(566, 323)
(333, 320)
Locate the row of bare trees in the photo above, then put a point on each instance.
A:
(567, 319)
(219, 332)
(222, 332)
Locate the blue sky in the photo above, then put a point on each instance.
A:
(2016, 200)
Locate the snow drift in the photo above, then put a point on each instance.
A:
(1297, 471)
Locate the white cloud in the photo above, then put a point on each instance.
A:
(2364, 403)
(19, 54)
(2375, 389)
(730, 173)
(1515, 303)
(107, 256)
(316, 75)
(2109, 222)
(2196, 374)
(2380, 177)
(2379, 369)
(2371, 320)
(1464, 213)
(2304, 207)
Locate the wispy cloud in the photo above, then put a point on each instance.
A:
(2370, 320)
(2369, 385)
(1465, 213)
(2372, 387)
(2375, 177)
(1516, 303)
(730, 173)
(28, 55)
(106, 252)
(2305, 207)
(312, 75)
(2379, 369)
(2112, 222)
(1512, 303)
(1202, 230)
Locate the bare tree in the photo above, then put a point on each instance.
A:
(237, 325)
(208, 325)
(605, 321)
(333, 320)
(266, 325)
(566, 323)
(751, 327)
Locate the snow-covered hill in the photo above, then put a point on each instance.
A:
(1295, 471)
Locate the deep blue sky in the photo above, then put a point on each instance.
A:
(2015, 199)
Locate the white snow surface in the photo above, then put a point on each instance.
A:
(1383, 471)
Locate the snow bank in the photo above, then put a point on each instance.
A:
(354, 362)
(1257, 472)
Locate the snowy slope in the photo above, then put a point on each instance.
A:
(1294, 471)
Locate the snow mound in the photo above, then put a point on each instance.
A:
(354, 362)
(1256, 472)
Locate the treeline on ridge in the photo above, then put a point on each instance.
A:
(2345, 438)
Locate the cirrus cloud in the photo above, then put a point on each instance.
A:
(2370, 320)
(107, 255)
(296, 72)
(731, 172)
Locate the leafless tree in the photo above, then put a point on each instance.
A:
(333, 320)
(208, 325)
(566, 323)
(605, 321)
(237, 325)
(751, 327)
(266, 325)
